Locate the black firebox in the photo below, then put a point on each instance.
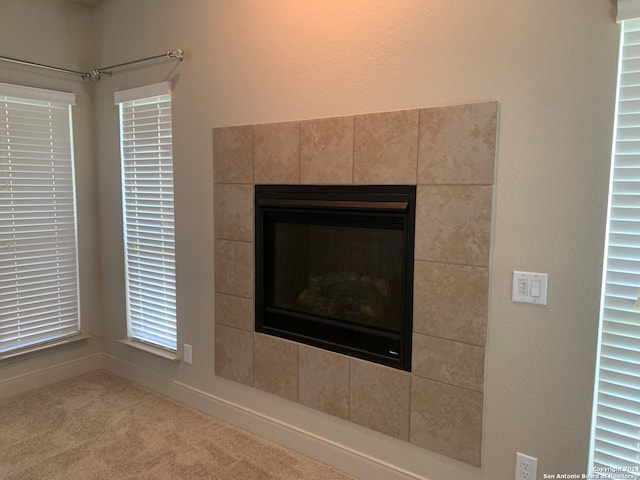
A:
(334, 268)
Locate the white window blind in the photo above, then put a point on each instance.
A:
(616, 426)
(38, 252)
(147, 189)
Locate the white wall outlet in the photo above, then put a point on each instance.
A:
(187, 354)
(526, 467)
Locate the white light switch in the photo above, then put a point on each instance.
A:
(535, 288)
(529, 287)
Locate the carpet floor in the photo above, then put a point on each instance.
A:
(101, 426)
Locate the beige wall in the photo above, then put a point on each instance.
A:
(550, 64)
(54, 32)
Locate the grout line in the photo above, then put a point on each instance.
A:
(451, 263)
(418, 147)
(253, 155)
(353, 153)
(462, 342)
(299, 155)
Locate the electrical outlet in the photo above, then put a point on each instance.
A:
(526, 467)
(187, 354)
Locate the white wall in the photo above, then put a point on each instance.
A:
(54, 32)
(552, 67)
(550, 64)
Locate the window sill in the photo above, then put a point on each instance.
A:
(33, 349)
(158, 352)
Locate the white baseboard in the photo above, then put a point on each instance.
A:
(51, 374)
(325, 450)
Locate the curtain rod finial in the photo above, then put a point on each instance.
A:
(179, 54)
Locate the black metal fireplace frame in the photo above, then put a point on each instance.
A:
(372, 206)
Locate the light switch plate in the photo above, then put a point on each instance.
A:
(529, 287)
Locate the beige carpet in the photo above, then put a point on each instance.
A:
(100, 426)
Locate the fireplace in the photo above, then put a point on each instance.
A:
(438, 404)
(334, 268)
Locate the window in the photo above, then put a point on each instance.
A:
(38, 251)
(615, 442)
(148, 218)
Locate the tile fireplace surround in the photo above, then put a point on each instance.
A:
(449, 153)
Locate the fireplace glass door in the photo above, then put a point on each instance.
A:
(334, 268)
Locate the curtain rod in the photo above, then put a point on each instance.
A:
(95, 73)
(41, 65)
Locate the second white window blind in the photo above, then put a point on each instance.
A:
(148, 214)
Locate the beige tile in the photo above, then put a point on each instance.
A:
(234, 354)
(453, 224)
(276, 153)
(326, 151)
(379, 398)
(234, 311)
(448, 361)
(451, 301)
(385, 148)
(323, 381)
(457, 144)
(234, 268)
(233, 155)
(233, 212)
(446, 419)
(276, 366)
